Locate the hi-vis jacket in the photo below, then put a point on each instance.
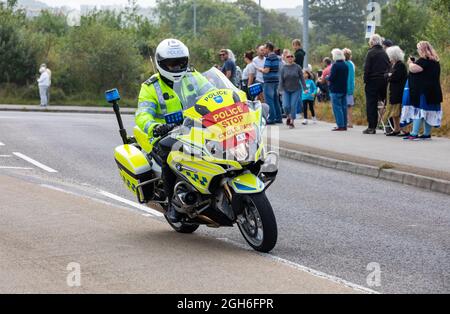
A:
(156, 99)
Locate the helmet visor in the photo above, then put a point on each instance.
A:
(175, 65)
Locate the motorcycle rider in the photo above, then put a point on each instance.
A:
(157, 98)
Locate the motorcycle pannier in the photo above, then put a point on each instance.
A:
(134, 168)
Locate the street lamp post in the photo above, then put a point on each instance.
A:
(195, 18)
(306, 31)
(259, 18)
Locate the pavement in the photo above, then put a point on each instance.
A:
(423, 164)
(48, 234)
(331, 222)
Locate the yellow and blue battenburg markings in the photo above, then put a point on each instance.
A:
(127, 182)
(202, 180)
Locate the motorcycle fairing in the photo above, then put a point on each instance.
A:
(247, 184)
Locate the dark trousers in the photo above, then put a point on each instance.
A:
(310, 104)
(169, 178)
(376, 90)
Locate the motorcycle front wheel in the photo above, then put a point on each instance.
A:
(257, 223)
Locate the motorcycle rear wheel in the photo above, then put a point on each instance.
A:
(257, 223)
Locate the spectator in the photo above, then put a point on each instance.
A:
(338, 89)
(309, 96)
(44, 85)
(229, 66)
(299, 52)
(238, 76)
(387, 43)
(375, 67)
(397, 80)
(271, 76)
(249, 73)
(425, 92)
(286, 52)
(259, 62)
(50, 82)
(290, 76)
(323, 82)
(350, 86)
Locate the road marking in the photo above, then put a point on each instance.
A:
(5, 156)
(34, 162)
(311, 271)
(1, 144)
(152, 213)
(17, 168)
(143, 208)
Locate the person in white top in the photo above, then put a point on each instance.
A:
(44, 83)
(258, 63)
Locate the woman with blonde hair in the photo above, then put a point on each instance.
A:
(425, 93)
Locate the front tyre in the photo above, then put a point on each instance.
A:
(257, 222)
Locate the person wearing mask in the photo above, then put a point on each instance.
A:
(290, 76)
(271, 75)
(375, 67)
(397, 80)
(425, 93)
(309, 96)
(44, 85)
(229, 66)
(249, 73)
(299, 52)
(350, 86)
(338, 89)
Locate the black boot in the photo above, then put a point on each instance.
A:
(173, 215)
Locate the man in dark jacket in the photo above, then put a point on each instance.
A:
(376, 66)
(299, 52)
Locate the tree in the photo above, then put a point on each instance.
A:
(341, 17)
(402, 22)
(17, 62)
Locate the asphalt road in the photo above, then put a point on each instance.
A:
(330, 221)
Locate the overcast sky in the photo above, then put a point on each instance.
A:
(272, 4)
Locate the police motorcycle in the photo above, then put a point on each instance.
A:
(219, 158)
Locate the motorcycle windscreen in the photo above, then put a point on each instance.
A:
(235, 133)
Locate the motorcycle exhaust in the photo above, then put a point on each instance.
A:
(211, 223)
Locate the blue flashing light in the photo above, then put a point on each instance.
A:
(255, 89)
(112, 95)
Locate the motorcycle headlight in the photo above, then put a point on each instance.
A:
(240, 152)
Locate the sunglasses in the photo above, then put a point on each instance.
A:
(289, 56)
(222, 54)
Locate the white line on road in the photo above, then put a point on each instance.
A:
(1, 144)
(5, 156)
(135, 205)
(17, 168)
(311, 271)
(34, 162)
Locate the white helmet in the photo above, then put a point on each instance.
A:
(172, 59)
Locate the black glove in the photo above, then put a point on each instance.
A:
(162, 129)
